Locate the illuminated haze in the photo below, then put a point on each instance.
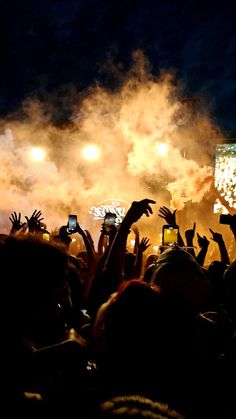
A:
(126, 125)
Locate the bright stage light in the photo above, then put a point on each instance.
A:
(91, 152)
(37, 154)
(162, 149)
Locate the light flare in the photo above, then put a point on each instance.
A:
(122, 127)
(91, 152)
(162, 149)
(37, 154)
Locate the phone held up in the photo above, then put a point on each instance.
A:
(72, 223)
(228, 219)
(169, 235)
(109, 219)
(109, 223)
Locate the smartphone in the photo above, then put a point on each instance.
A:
(109, 219)
(72, 223)
(225, 177)
(228, 219)
(46, 236)
(169, 235)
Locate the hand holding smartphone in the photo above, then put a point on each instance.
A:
(72, 223)
(109, 223)
(110, 219)
(228, 219)
(169, 235)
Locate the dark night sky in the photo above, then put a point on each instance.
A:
(50, 46)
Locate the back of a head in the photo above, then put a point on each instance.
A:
(83, 255)
(150, 259)
(180, 277)
(216, 270)
(147, 275)
(34, 274)
(127, 328)
(134, 406)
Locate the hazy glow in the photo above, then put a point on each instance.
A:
(132, 243)
(37, 154)
(155, 248)
(162, 149)
(125, 124)
(91, 152)
(225, 176)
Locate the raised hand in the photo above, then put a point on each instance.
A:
(79, 229)
(16, 222)
(90, 239)
(135, 229)
(202, 241)
(64, 236)
(138, 208)
(167, 215)
(189, 234)
(144, 244)
(216, 237)
(34, 222)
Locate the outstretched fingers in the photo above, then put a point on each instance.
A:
(147, 208)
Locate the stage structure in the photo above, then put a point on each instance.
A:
(114, 206)
(225, 178)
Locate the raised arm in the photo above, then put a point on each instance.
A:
(17, 225)
(34, 222)
(233, 229)
(143, 245)
(189, 235)
(170, 218)
(218, 238)
(90, 239)
(64, 237)
(88, 242)
(103, 244)
(203, 243)
(92, 263)
(111, 275)
(116, 256)
(136, 240)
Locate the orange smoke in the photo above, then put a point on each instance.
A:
(126, 125)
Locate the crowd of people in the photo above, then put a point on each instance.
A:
(111, 332)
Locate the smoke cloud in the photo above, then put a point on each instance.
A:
(126, 124)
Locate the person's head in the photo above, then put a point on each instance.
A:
(126, 326)
(180, 278)
(150, 259)
(83, 255)
(34, 274)
(216, 271)
(148, 271)
(138, 407)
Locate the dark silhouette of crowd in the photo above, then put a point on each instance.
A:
(111, 332)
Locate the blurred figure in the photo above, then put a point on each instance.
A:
(181, 278)
(135, 406)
